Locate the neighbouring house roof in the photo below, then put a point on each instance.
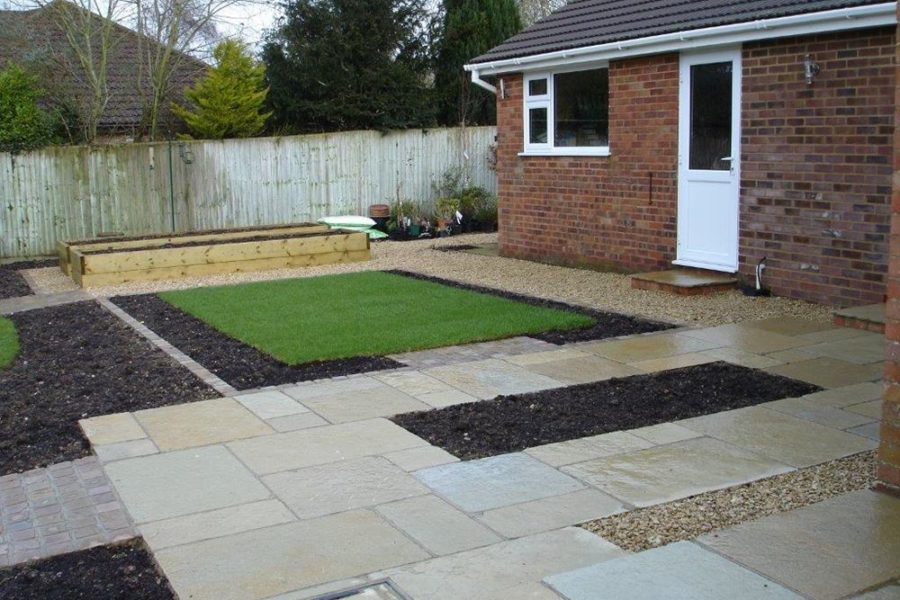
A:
(33, 39)
(584, 23)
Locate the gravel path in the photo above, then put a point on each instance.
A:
(686, 519)
(604, 291)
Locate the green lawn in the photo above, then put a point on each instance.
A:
(9, 342)
(362, 314)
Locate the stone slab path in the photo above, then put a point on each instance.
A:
(10, 306)
(303, 490)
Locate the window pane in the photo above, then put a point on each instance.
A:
(582, 108)
(537, 126)
(537, 87)
(711, 116)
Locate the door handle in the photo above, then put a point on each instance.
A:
(726, 159)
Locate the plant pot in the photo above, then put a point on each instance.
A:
(414, 231)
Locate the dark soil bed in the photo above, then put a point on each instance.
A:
(118, 572)
(40, 263)
(12, 284)
(242, 366)
(608, 324)
(78, 361)
(456, 248)
(513, 423)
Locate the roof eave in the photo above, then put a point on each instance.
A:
(858, 17)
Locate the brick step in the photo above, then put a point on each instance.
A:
(685, 282)
(868, 318)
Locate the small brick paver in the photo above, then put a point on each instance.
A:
(65, 507)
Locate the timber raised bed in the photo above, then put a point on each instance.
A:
(65, 249)
(109, 263)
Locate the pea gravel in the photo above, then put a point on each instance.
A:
(593, 289)
(687, 519)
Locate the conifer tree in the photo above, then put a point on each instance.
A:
(228, 102)
(469, 28)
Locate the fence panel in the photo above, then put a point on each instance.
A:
(78, 192)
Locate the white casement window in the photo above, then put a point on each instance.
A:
(567, 113)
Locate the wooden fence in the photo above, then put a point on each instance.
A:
(77, 192)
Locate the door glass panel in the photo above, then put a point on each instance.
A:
(710, 144)
(537, 126)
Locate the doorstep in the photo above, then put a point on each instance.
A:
(868, 318)
(685, 282)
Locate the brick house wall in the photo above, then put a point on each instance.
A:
(613, 211)
(821, 220)
(816, 165)
(889, 448)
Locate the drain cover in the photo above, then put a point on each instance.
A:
(382, 590)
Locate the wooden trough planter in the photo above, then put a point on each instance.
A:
(109, 262)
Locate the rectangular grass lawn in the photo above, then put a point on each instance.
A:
(362, 314)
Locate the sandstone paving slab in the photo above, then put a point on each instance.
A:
(680, 571)
(587, 448)
(747, 338)
(321, 445)
(664, 433)
(548, 356)
(121, 450)
(487, 483)
(183, 482)
(742, 358)
(414, 383)
(200, 424)
(270, 404)
(111, 429)
(869, 430)
(664, 473)
(283, 558)
(649, 347)
(503, 571)
(779, 436)
(890, 591)
(493, 377)
(834, 334)
(847, 395)
(215, 523)
(382, 401)
(296, 422)
(338, 487)
(448, 397)
(826, 550)
(551, 513)
(421, 457)
(331, 387)
(790, 356)
(436, 525)
(859, 350)
(810, 410)
(572, 371)
(673, 362)
(829, 372)
(870, 410)
(789, 325)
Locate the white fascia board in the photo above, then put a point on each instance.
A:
(859, 17)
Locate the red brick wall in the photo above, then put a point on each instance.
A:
(816, 165)
(815, 171)
(889, 450)
(596, 210)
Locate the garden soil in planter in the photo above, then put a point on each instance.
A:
(78, 361)
(608, 324)
(241, 365)
(520, 421)
(118, 572)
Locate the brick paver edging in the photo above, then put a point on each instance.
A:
(65, 507)
(180, 357)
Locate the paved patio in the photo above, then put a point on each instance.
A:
(296, 491)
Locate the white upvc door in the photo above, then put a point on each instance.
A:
(709, 137)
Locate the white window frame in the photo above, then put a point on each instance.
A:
(548, 101)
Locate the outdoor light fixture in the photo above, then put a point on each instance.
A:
(810, 69)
